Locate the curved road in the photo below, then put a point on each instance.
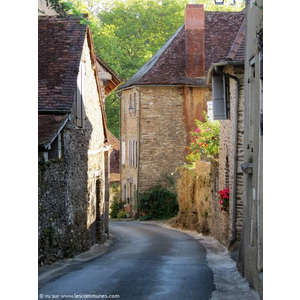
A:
(145, 262)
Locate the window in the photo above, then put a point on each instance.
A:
(221, 97)
(80, 96)
(132, 153)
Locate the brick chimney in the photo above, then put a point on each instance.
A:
(194, 40)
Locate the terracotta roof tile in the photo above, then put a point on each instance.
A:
(237, 50)
(60, 44)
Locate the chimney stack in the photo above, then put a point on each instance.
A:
(194, 41)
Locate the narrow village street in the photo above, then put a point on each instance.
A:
(164, 125)
(144, 262)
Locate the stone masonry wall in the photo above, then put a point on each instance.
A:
(71, 189)
(166, 114)
(194, 190)
(226, 159)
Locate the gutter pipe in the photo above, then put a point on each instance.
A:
(233, 235)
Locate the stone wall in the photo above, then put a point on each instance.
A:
(166, 114)
(130, 123)
(72, 189)
(191, 189)
(226, 159)
(250, 260)
(194, 190)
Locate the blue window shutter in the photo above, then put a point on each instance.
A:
(219, 99)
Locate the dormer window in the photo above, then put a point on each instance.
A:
(80, 97)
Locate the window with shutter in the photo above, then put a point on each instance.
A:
(220, 88)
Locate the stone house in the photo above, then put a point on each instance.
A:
(160, 103)
(72, 139)
(250, 261)
(227, 79)
(114, 176)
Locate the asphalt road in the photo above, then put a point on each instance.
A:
(145, 262)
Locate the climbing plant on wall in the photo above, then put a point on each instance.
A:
(204, 140)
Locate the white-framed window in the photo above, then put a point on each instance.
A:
(80, 96)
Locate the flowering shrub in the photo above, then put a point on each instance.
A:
(204, 140)
(224, 199)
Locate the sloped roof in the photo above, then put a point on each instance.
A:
(49, 127)
(114, 82)
(167, 66)
(60, 42)
(113, 141)
(237, 50)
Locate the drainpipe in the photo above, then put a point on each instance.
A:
(233, 238)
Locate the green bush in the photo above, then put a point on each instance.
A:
(158, 203)
(116, 206)
(122, 215)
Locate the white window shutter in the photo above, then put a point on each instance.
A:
(219, 99)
